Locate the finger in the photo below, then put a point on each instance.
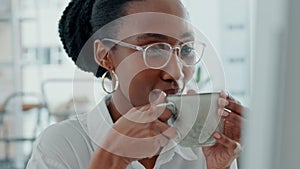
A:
(222, 102)
(162, 112)
(226, 142)
(223, 94)
(150, 112)
(235, 107)
(157, 97)
(191, 91)
(158, 107)
(143, 108)
(227, 96)
(166, 115)
(231, 98)
(165, 129)
(130, 146)
(140, 114)
(232, 124)
(161, 140)
(238, 148)
(231, 117)
(232, 131)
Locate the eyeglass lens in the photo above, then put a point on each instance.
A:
(158, 55)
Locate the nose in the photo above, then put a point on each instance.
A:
(176, 50)
(174, 69)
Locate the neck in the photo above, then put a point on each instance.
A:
(118, 105)
(148, 163)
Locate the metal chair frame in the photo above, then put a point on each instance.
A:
(7, 140)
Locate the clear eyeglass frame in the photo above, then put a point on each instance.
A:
(165, 54)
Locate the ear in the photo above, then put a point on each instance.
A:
(101, 55)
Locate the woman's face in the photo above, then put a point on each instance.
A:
(137, 81)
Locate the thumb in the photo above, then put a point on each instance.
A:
(191, 91)
(156, 97)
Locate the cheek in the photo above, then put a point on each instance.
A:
(136, 80)
(141, 86)
(127, 67)
(188, 73)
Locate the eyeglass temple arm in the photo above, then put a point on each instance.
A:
(124, 44)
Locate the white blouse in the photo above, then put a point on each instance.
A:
(71, 144)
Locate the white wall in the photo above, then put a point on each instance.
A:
(289, 146)
(205, 16)
(227, 26)
(272, 133)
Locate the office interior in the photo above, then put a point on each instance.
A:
(257, 42)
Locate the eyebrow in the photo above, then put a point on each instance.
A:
(187, 35)
(160, 36)
(152, 35)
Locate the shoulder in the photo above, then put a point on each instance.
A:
(69, 133)
(65, 144)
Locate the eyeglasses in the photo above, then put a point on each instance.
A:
(158, 55)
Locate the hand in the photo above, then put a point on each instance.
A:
(138, 134)
(227, 147)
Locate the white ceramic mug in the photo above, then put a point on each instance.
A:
(195, 118)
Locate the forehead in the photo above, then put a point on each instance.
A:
(173, 7)
(165, 17)
(153, 23)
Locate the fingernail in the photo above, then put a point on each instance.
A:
(223, 94)
(223, 102)
(162, 95)
(225, 114)
(191, 91)
(217, 136)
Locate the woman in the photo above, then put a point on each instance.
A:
(127, 129)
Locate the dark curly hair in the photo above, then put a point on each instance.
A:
(80, 20)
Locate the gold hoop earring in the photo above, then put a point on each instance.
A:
(116, 85)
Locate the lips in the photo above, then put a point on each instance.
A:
(165, 116)
(171, 91)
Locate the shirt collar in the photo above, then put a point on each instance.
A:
(99, 122)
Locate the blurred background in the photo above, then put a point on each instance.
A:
(257, 41)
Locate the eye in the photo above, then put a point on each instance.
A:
(158, 50)
(187, 50)
(157, 55)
